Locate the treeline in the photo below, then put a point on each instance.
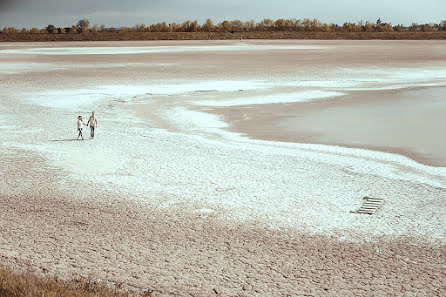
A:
(268, 28)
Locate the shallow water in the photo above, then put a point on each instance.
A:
(409, 122)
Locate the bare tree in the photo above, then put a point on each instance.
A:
(369, 27)
(249, 26)
(269, 24)
(236, 26)
(194, 26)
(50, 28)
(208, 26)
(73, 30)
(325, 27)
(83, 24)
(95, 28)
(308, 24)
(140, 27)
(174, 27)
(280, 25)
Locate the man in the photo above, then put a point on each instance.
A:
(93, 122)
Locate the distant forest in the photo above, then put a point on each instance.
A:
(266, 29)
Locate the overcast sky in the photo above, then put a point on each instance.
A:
(61, 13)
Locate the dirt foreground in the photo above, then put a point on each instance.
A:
(134, 246)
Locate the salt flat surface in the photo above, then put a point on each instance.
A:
(69, 98)
(166, 189)
(8, 68)
(154, 49)
(249, 179)
(303, 96)
(375, 78)
(18, 67)
(401, 77)
(191, 158)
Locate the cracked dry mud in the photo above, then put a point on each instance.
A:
(177, 252)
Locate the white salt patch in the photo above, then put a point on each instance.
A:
(373, 78)
(86, 97)
(88, 162)
(388, 78)
(414, 74)
(69, 99)
(194, 120)
(19, 67)
(341, 83)
(205, 86)
(358, 160)
(368, 162)
(85, 159)
(279, 184)
(397, 86)
(156, 49)
(205, 211)
(302, 96)
(200, 123)
(351, 79)
(384, 164)
(82, 98)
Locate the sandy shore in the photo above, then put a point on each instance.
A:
(167, 198)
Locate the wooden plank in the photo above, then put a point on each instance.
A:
(370, 205)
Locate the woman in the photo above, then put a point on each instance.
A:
(80, 126)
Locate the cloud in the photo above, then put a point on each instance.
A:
(31, 13)
(6, 3)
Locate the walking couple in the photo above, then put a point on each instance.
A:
(92, 122)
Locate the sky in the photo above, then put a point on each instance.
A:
(62, 13)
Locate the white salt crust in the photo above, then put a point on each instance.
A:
(308, 187)
(154, 49)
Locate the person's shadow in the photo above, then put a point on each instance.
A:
(64, 140)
